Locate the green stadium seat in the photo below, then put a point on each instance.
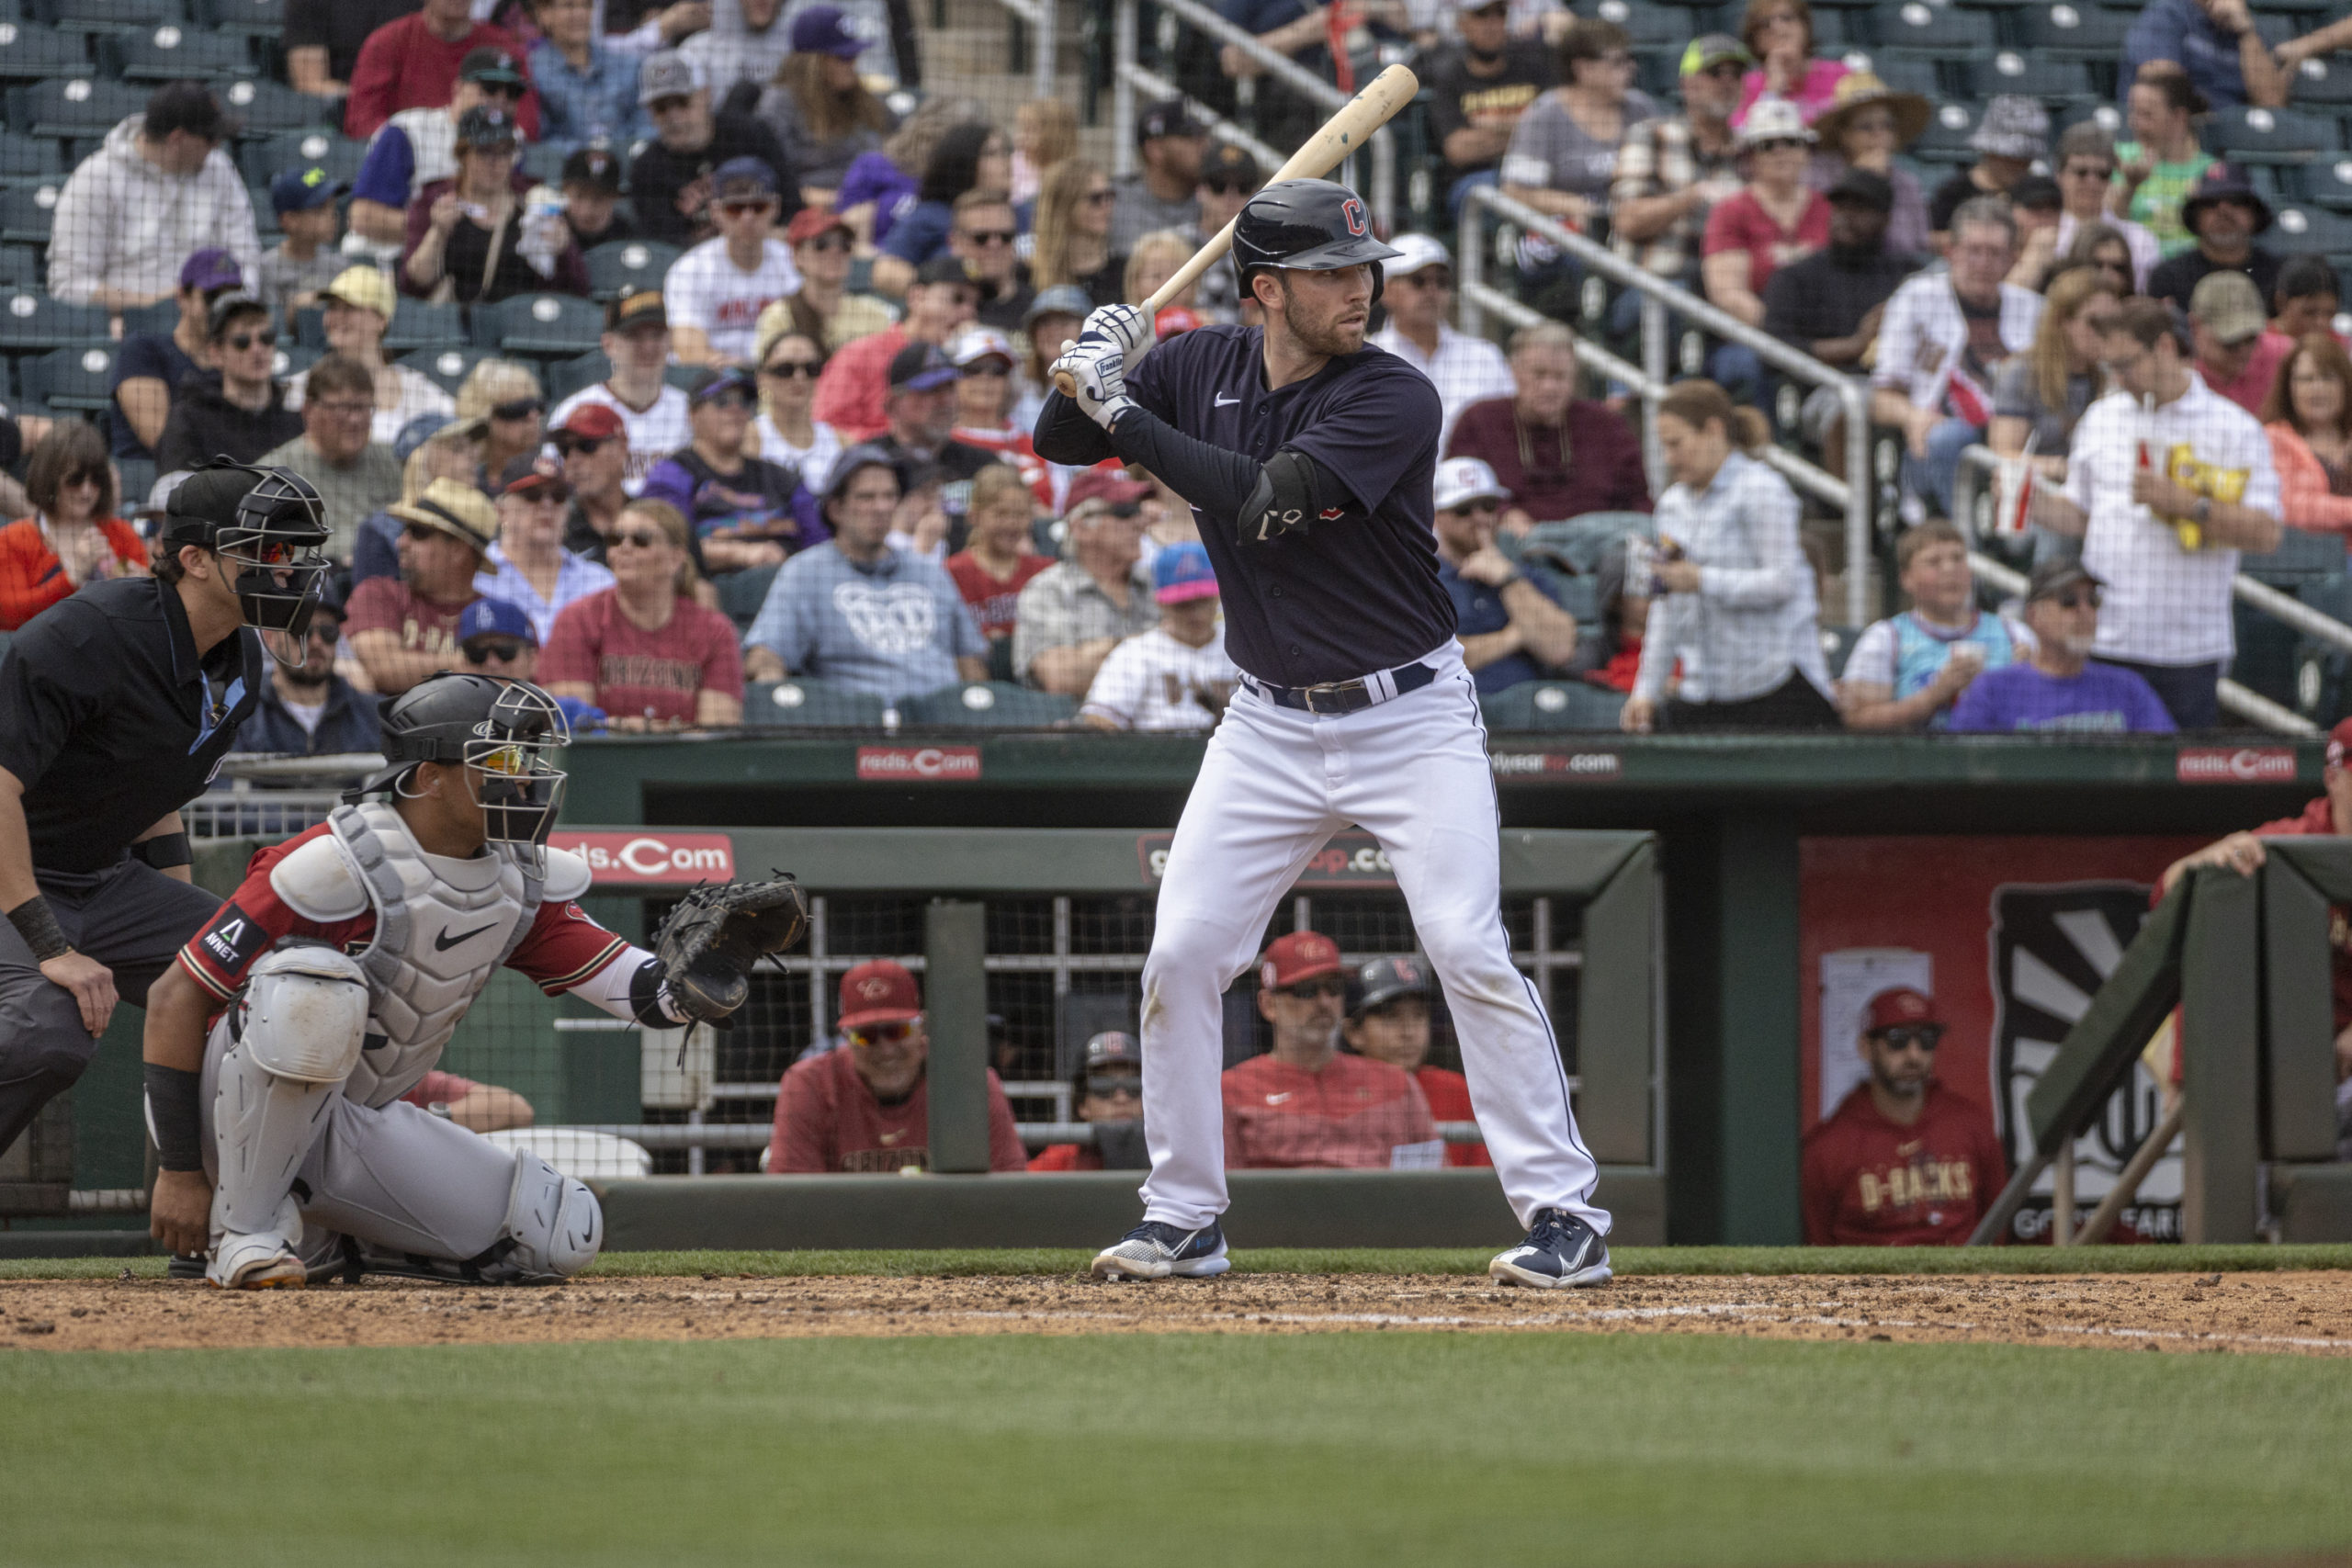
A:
(161, 319)
(2327, 182)
(21, 266)
(1552, 704)
(110, 16)
(27, 161)
(619, 266)
(1903, 72)
(2033, 75)
(544, 326)
(448, 366)
(175, 53)
(340, 156)
(69, 379)
(988, 705)
(293, 358)
(32, 321)
(138, 479)
(31, 52)
(27, 212)
(421, 324)
(83, 107)
(810, 705)
(681, 375)
(261, 109)
(1577, 547)
(308, 327)
(2323, 82)
(2312, 229)
(2073, 31)
(1837, 646)
(543, 164)
(1944, 32)
(565, 377)
(2271, 136)
(742, 592)
(245, 18)
(1649, 26)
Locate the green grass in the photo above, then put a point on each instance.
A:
(1627, 1260)
(1362, 1450)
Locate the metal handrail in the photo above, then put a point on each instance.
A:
(1039, 15)
(2243, 701)
(1125, 73)
(1658, 296)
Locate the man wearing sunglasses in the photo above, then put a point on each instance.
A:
(404, 628)
(418, 147)
(2058, 686)
(235, 410)
(1511, 628)
(1229, 177)
(308, 710)
(715, 291)
(594, 445)
(1306, 1103)
(864, 1107)
(982, 234)
(672, 180)
(1110, 1100)
(1903, 1161)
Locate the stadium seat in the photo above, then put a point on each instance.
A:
(810, 705)
(1935, 32)
(681, 375)
(619, 266)
(69, 379)
(31, 52)
(2035, 76)
(1837, 646)
(110, 16)
(30, 320)
(262, 109)
(2327, 182)
(1649, 27)
(1903, 72)
(543, 164)
(2325, 81)
(544, 326)
(989, 704)
(565, 377)
(138, 479)
(173, 53)
(2073, 32)
(741, 592)
(245, 18)
(2313, 231)
(80, 107)
(2271, 136)
(1552, 704)
(1577, 547)
(293, 358)
(161, 319)
(421, 324)
(21, 266)
(2301, 556)
(1946, 139)
(27, 161)
(1834, 32)
(449, 366)
(26, 214)
(308, 327)
(340, 156)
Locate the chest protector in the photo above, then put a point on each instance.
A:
(443, 926)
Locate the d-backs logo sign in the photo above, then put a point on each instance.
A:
(2052, 948)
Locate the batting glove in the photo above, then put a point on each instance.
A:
(1100, 370)
(1125, 325)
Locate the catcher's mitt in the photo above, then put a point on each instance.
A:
(709, 942)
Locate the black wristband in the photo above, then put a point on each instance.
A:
(38, 927)
(172, 1117)
(164, 851)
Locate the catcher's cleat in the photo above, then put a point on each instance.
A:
(1155, 1251)
(714, 936)
(256, 1263)
(1561, 1252)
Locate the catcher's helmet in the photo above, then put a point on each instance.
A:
(504, 728)
(1314, 225)
(268, 526)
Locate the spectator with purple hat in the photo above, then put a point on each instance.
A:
(819, 105)
(743, 511)
(715, 292)
(151, 367)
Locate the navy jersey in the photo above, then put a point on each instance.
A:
(1358, 590)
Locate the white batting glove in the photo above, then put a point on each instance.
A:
(1100, 370)
(1125, 325)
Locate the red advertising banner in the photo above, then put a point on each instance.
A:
(656, 858)
(2011, 937)
(919, 764)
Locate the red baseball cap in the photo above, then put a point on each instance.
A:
(2339, 743)
(878, 991)
(1176, 319)
(1890, 1010)
(596, 421)
(811, 221)
(1110, 484)
(1302, 955)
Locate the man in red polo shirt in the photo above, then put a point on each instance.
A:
(412, 63)
(866, 1107)
(1388, 1020)
(1304, 1103)
(1903, 1161)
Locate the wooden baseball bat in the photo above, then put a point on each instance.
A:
(1348, 130)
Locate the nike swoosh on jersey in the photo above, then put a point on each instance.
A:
(1222, 401)
(445, 942)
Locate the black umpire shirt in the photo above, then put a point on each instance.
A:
(1357, 590)
(109, 720)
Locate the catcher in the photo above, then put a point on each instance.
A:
(280, 1041)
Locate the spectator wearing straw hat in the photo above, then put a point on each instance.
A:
(2237, 354)
(2013, 134)
(1866, 125)
(2224, 214)
(404, 628)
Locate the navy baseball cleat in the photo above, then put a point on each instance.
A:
(1561, 1252)
(1154, 1251)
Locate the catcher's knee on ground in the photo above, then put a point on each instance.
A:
(304, 1022)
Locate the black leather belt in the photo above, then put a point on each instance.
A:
(1349, 696)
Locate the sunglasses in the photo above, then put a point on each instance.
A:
(1778, 144)
(586, 446)
(327, 631)
(989, 236)
(1474, 509)
(1904, 1036)
(2075, 599)
(828, 242)
(881, 1034)
(1099, 197)
(790, 369)
(422, 531)
(1128, 1084)
(996, 367)
(504, 652)
(638, 538)
(737, 401)
(267, 337)
(670, 105)
(1228, 187)
(521, 408)
(1428, 277)
(506, 90)
(1308, 990)
(737, 209)
(86, 477)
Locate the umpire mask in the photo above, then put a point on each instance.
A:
(267, 527)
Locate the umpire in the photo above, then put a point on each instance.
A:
(115, 706)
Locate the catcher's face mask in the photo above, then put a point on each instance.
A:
(520, 789)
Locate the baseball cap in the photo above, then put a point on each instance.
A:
(211, 268)
(494, 65)
(2229, 305)
(1112, 1048)
(303, 190)
(1181, 572)
(1900, 1006)
(228, 306)
(2051, 578)
(642, 309)
(919, 367)
(665, 74)
(495, 617)
(1227, 166)
(1166, 117)
(594, 167)
(1302, 955)
(589, 422)
(822, 30)
(483, 126)
(1464, 479)
(416, 432)
(2337, 739)
(1415, 252)
(716, 382)
(535, 471)
(1175, 319)
(878, 991)
(452, 508)
(365, 287)
(1111, 486)
(946, 268)
(1061, 300)
(1772, 119)
(811, 221)
(2037, 193)
(2224, 182)
(864, 455)
(1864, 187)
(1711, 50)
(1383, 980)
(2013, 127)
(741, 177)
(974, 344)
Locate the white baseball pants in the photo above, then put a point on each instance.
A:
(1275, 785)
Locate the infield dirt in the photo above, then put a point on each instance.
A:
(2305, 1314)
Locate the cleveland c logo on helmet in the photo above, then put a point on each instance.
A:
(1352, 211)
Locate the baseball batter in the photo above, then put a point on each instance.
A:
(279, 1046)
(1308, 459)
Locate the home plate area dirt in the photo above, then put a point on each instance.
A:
(2303, 1313)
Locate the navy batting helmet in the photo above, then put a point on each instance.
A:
(1314, 225)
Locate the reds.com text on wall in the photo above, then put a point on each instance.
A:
(2235, 764)
(639, 859)
(919, 764)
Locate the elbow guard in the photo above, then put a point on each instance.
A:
(1287, 497)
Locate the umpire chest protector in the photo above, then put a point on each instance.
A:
(443, 926)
